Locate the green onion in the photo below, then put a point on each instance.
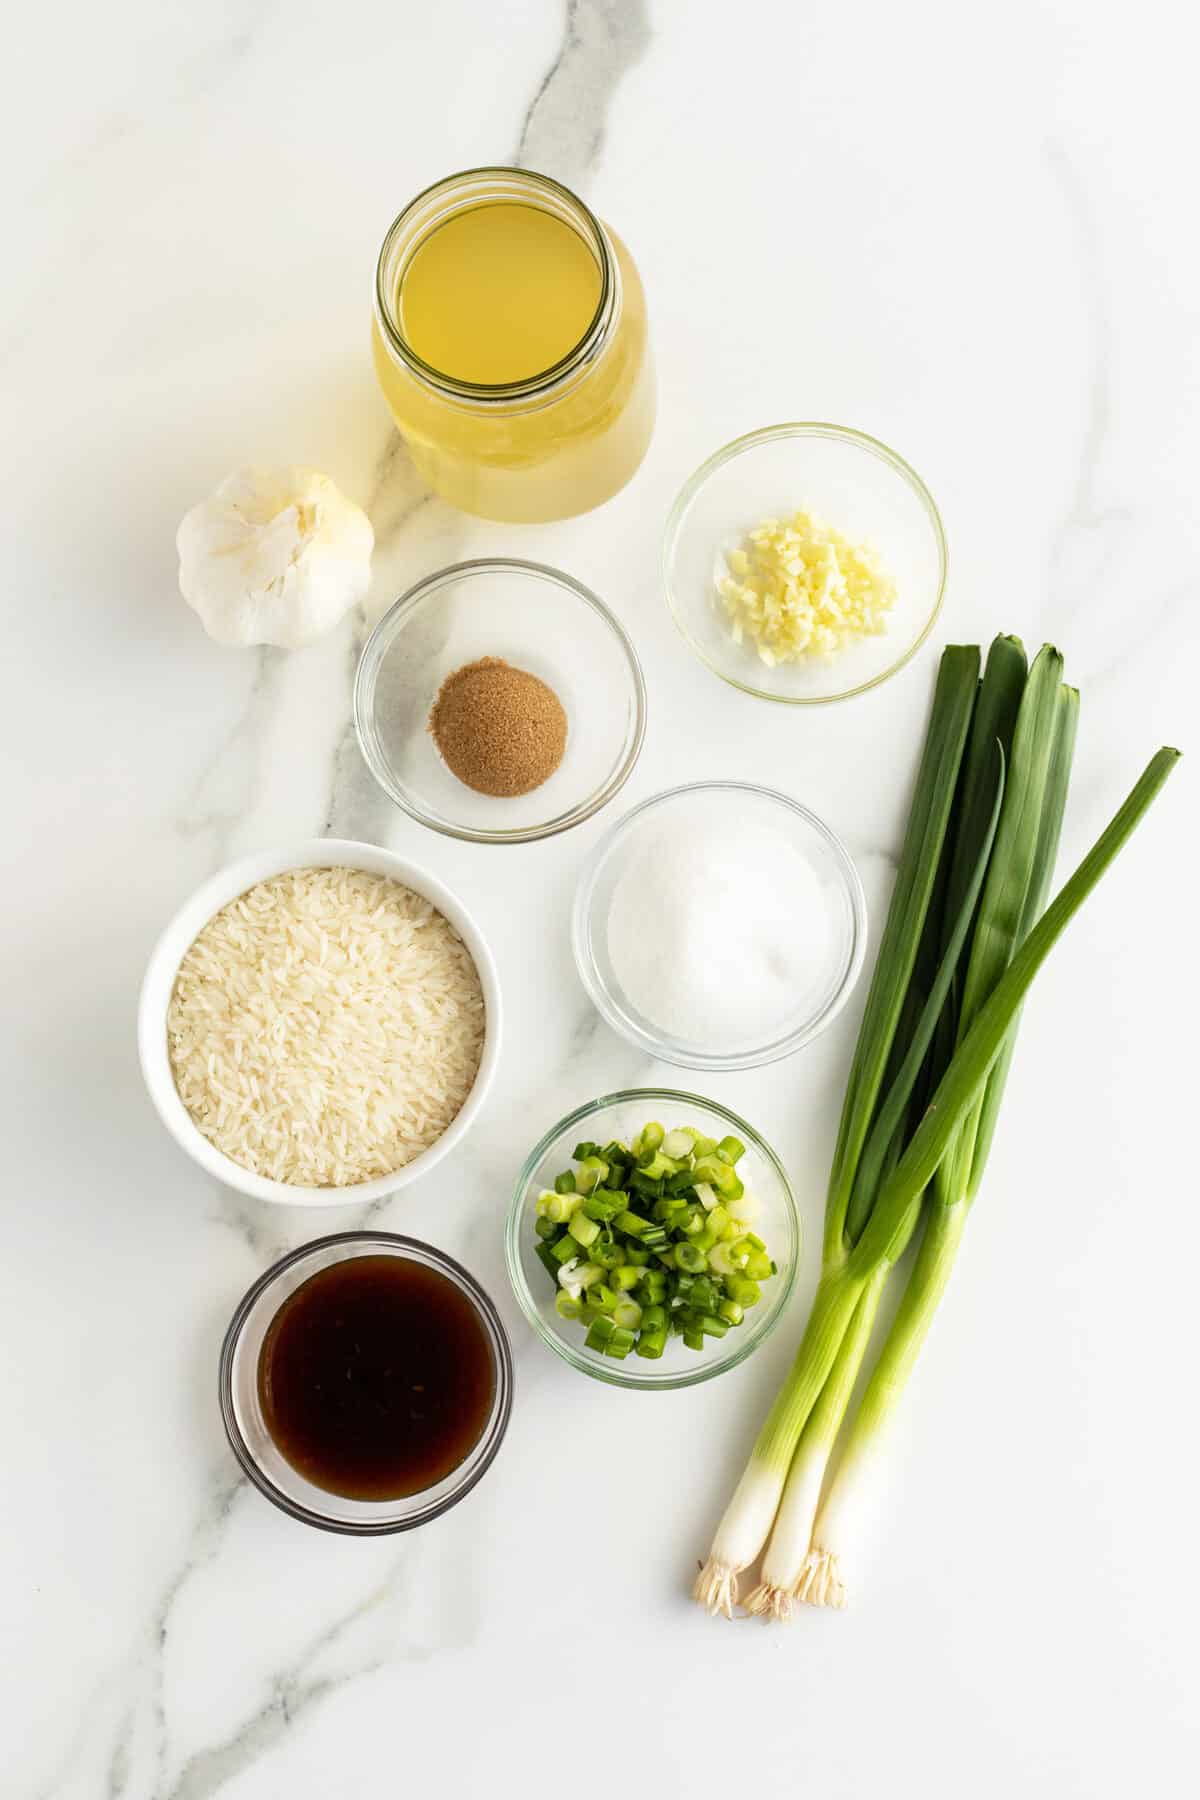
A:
(559, 1207)
(628, 1237)
(928, 824)
(953, 1105)
(603, 1205)
(610, 1255)
(919, 1051)
(791, 1536)
(926, 937)
(590, 1173)
(929, 928)
(711, 1325)
(649, 1138)
(584, 1231)
(599, 1332)
(1009, 908)
(545, 1255)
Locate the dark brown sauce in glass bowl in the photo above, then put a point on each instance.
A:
(376, 1378)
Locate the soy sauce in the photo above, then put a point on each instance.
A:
(376, 1378)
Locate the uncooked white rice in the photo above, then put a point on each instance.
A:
(325, 1027)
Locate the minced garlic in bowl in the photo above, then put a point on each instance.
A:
(797, 588)
(779, 603)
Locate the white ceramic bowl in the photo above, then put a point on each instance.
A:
(313, 853)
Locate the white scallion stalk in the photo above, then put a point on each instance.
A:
(748, 1518)
(750, 1514)
(848, 1506)
(1013, 898)
(792, 1533)
(894, 1216)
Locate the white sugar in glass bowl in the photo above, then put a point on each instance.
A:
(189, 921)
(798, 946)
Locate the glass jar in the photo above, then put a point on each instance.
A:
(548, 446)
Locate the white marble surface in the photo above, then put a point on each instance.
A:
(971, 234)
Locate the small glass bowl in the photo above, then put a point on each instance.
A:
(246, 1429)
(863, 489)
(776, 1221)
(537, 619)
(722, 812)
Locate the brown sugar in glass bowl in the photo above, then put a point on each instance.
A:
(538, 619)
(500, 730)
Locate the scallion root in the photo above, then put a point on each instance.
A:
(769, 1603)
(716, 1588)
(820, 1582)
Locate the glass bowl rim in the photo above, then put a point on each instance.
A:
(384, 634)
(615, 1374)
(496, 1428)
(534, 386)
(780, 1048)
(752, 440)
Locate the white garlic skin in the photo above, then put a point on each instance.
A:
(274, 556)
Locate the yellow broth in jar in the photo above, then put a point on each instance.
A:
(511, 345)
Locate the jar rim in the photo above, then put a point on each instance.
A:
(421, 216)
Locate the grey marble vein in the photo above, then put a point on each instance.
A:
(207, 1772)
(120, 1763)
(563, 132)
(207, 1541)
(223, 793)
(296, 1690)
(357, 807)
(1086, 512)
(258, 1226)
(883, 853)
(142, 1672)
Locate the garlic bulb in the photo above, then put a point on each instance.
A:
(275, 556)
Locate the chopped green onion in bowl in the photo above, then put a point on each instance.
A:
(646, 1214)
(631, 1266)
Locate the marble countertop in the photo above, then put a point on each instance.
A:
(974, 239)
